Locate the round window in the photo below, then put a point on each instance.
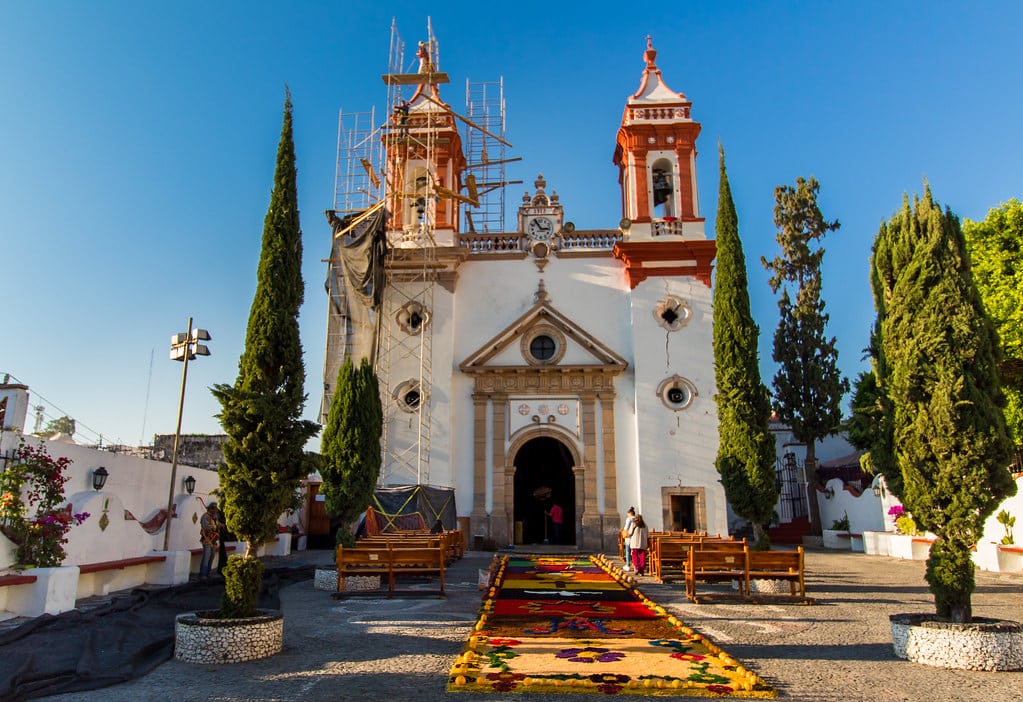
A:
(677, 396)
(412, 399)
(409, 396)
(542, 347)
(677, 393)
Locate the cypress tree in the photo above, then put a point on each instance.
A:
(351, 445)
(746, 453)
(940, 352)
(808, 387)
(261, 413)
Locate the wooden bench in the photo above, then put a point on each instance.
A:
(392, 561)
(451, 541)
(777, 565)
(715, 565)
(668, 562)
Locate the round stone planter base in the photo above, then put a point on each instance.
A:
(200, 637)
(324, 579)
(770, 587)
(983, 644)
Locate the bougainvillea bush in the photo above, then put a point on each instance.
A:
(32, 511)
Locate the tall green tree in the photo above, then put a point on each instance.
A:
(264, 458)
(940, 351)
(808, 387)
(996, 253)
(351, 445)
(869, 429)
(746, 455)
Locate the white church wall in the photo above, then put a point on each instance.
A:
(442, 398)
(676, 446)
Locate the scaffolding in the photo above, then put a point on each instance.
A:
(390, 163)
(485, 154)
(404, 359)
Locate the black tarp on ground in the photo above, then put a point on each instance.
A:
(432, 502)
(112, 643)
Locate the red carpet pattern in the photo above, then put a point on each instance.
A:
(564, 624)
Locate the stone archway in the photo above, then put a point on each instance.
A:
(544, 476)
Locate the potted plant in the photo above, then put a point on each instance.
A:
(264, 452)
(838, 535)
(942, 442)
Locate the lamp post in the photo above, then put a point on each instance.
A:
(184, 347)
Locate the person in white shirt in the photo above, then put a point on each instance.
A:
(630, 521)
(638, 544)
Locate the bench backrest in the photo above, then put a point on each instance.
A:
(715, 560)
(362, 556)
(721, 545)
(776, 561)
(411, 556)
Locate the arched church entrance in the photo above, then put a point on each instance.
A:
(543, 477)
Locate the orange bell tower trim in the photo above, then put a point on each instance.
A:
(671, 259)
(656, 156)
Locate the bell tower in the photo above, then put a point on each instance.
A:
(425, 161)
(655, 151)
(656, 157)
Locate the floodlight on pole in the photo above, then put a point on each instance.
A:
(184, 347)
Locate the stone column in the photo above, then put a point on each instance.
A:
(504, 497)
(591, 521)
(478, 523)
(612, 522)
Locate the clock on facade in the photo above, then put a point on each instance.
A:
(540, 228)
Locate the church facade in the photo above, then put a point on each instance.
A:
(544, 365)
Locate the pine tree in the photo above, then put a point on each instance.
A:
(351, 445)
(746, 453)
(940, 353)
(808, 387)
(261, 413)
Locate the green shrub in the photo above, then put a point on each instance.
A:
(242, 576)
(841, 524)
(1007, 521)
(907, 525)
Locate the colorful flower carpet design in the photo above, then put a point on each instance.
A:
(575, 624)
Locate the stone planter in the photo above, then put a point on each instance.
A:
(837, 539)
(983, 644)
(326, 579)
(200, 637)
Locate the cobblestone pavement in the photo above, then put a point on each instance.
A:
(837, 649)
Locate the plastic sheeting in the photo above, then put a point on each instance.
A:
(114, 642)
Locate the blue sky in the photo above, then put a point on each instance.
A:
(137, 144)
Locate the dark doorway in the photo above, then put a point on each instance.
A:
(543, 477)
(318, 526)
(683, 513)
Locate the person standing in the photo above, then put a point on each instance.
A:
(209, 537)
(630, 522)
(557, 517)
(638, 544)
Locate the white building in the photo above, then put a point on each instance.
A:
(545, 360)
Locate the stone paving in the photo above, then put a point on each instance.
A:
(837, 649)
